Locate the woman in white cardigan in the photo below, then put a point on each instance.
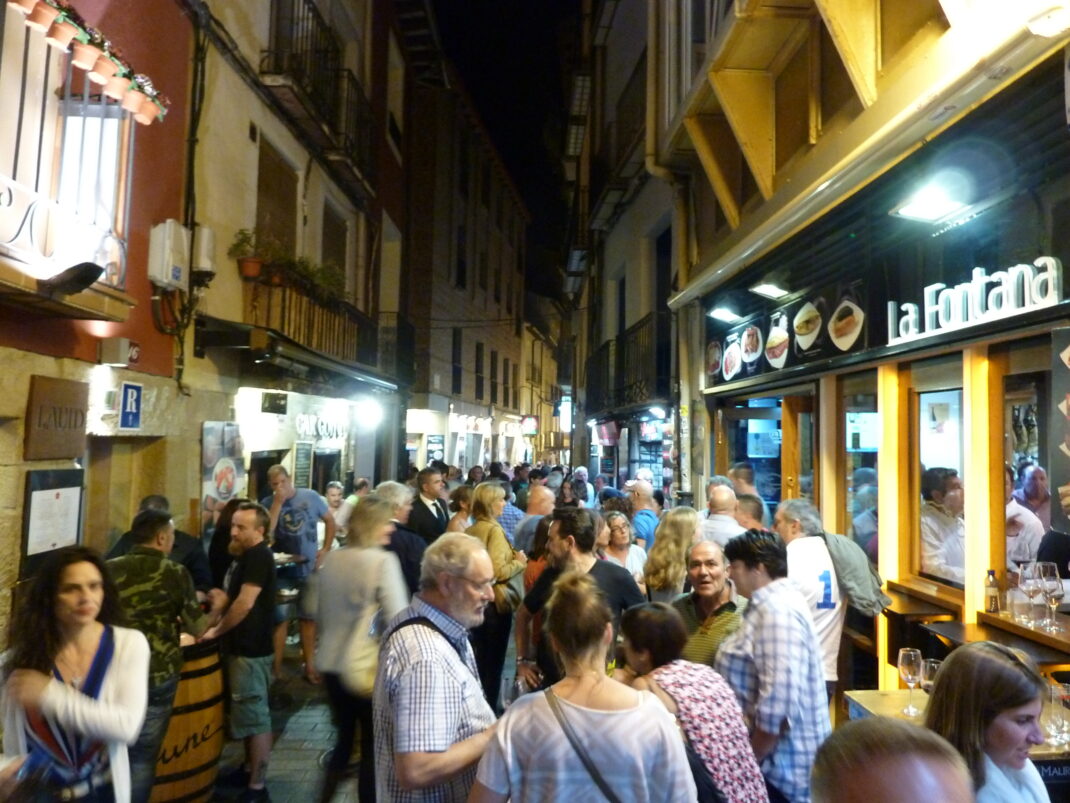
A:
(986, 700)
(75, 684)
(359, 577)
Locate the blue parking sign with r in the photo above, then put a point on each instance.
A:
(130, 406)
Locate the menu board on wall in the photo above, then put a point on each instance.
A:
(303, 464)
(817, 325)
(1059, 430)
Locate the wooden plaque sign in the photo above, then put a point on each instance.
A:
(55, 418)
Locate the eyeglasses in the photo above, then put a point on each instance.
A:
(478, 585)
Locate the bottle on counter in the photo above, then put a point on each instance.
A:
(991, 592)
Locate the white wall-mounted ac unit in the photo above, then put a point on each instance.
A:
(169, 255)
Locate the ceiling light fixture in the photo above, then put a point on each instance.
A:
(929, 204)
(724, 314)
(769, 290)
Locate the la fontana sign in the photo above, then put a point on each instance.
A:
(1003, 294)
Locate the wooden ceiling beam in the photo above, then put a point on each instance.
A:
(716, 146)
(854, 26)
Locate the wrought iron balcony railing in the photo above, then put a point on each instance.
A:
(632, 369)
(303, 47)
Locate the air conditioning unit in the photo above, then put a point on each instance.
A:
(169, 255)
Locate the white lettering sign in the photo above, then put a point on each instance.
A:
(1013, 291)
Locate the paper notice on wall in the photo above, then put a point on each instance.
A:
(53, 519)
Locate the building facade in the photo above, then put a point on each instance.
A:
(466, 296)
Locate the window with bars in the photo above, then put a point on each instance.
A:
(66, 156)
(516, 385)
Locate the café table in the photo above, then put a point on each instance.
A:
(1052, 761)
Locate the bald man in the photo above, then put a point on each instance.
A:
(884, 760)
(720, 524)
(540, 503)
(645, 519)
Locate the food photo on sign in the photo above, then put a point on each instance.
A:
(777, 341)
(714, 354)
(222, 467)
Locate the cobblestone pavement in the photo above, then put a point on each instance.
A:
(304, 735)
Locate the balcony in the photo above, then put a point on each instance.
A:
(618, 167)
(353, 125)
(335, 329)
(302, 68)
(635, 369)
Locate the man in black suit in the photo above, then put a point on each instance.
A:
(429, 516)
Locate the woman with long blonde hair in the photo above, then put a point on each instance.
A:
(666, 565)
(491, 639)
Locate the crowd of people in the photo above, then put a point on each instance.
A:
(662, 653)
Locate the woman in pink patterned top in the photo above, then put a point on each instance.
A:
(703, 703)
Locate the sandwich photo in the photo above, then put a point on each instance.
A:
(807, 320)
(776, 347)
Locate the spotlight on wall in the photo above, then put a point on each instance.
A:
(73, 280)
(724, 314)
(658, 413)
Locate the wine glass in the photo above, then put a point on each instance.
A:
(1056, 715)
(512, 688)
(929, 668)
(910, 664)
(1052, 586)
(1032, 585)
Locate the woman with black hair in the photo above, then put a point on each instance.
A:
(75, 683)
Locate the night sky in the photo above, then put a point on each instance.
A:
(510, 54)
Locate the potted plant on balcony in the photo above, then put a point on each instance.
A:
(243, 249)
(64, 29)
(44, 14)
(87, 48)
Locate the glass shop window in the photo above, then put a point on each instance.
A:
(862, 437)
(1032, 473)
(936, 396)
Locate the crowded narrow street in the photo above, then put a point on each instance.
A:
(550, 401)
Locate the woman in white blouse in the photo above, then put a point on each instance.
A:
(986, 701)
(76, 684)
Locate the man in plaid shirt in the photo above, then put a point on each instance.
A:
(773, 663)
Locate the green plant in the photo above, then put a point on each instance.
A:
(243, 245)
(331, 280)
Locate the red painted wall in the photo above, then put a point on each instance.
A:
(156, 38)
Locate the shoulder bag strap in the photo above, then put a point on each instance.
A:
(423, 620)
(592, 770)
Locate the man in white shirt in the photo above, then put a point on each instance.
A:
(1024, 529)
(943, 532)
(715, 480)
(810, 567)
(720, 524)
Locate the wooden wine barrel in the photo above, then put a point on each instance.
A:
(189, 758)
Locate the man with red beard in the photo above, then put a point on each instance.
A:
(247, 623)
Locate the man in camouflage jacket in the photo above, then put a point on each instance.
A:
(158, 596)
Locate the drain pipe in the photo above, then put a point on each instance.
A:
(681, 228)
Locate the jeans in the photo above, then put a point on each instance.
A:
(146, 749)
(489, 643)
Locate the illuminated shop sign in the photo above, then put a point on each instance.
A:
(529, 425)
(1006, 293)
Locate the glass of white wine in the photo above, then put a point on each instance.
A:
(929, 668)
(910, 663)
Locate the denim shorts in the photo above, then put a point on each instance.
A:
(299, 606)
(249, 680)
